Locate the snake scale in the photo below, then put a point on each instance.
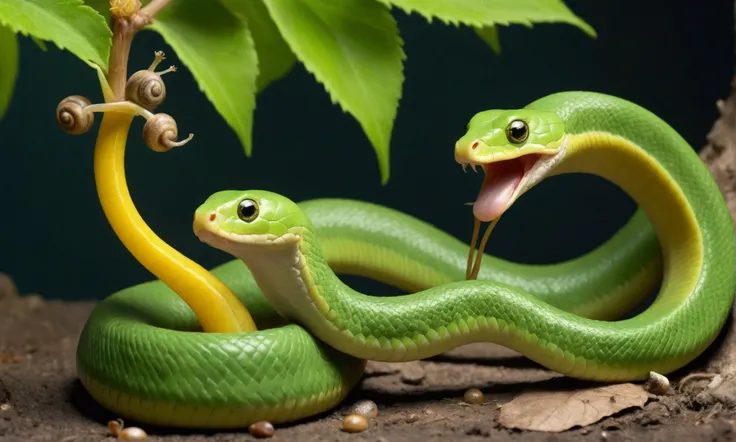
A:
(142, 353)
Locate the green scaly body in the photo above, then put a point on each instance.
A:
(141, 356)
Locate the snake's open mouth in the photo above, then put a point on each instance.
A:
(503, 182)
(508, 174)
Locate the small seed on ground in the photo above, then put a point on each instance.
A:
(412, 418)
(474, 396)
(132, 433)
(365, 408)
(261, 429)
(354, 423)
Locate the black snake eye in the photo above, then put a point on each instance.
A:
(248, 210)
(517, 131)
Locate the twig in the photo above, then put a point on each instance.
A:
(122, 38)
(153, 8)
(130, 18)
(695, 377)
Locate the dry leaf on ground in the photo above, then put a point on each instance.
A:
(555, 411)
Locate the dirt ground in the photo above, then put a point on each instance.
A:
(41, 399)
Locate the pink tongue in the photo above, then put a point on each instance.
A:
(498, 189)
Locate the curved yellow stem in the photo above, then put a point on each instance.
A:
(212, 301)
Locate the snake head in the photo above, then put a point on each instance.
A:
(237, 222)
(516, 149)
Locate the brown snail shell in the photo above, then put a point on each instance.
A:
(160, 133)
(72, 118)
(146, 89)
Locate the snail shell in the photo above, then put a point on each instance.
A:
(657, 384)
(160, 133)
(146, 89)
(72, 118)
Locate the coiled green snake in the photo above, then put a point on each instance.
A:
(142, 353)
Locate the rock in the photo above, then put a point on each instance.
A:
(412, 373)
(8, 288)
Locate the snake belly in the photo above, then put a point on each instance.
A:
(140, 353)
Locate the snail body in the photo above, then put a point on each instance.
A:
(146, 88)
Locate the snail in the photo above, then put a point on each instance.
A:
(146, 88)
(160, 133)
(657, 384)
(144, 91)
(72, 115)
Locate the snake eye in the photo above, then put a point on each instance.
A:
(248, 210)
(517, 131)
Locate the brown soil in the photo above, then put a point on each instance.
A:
(417, 401)
(41, 399)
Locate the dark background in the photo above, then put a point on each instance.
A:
(673, 57)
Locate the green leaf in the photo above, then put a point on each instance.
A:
(479, 13)
(101, 6)
(354, 49)
(218, 49)
(70, 24)
(275, 58)
(40, 43)
(489, 34)
(8, 68)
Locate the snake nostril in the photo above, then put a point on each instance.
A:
(474, 145)
(212, 216)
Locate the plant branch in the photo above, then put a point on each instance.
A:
(124, 28)
(153, 8)
(122, 38)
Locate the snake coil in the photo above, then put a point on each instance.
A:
(72, 117)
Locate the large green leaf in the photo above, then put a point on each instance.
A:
(8, 67)
(479, 13)
(489, 34)
(275, 58)
(101, 6)
(217, 47)
(70, 24)
(353, 48)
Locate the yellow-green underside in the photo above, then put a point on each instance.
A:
(163, 413)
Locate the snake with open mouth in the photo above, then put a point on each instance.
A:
(142, 354)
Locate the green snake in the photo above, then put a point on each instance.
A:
(142, 354)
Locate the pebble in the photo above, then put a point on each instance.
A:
(261, 429)
(365, 408)
(412, 418)
(412, 374)
(354, 423)
(132, 433)
(474, 396)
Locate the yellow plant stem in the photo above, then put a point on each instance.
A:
(217, 308)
